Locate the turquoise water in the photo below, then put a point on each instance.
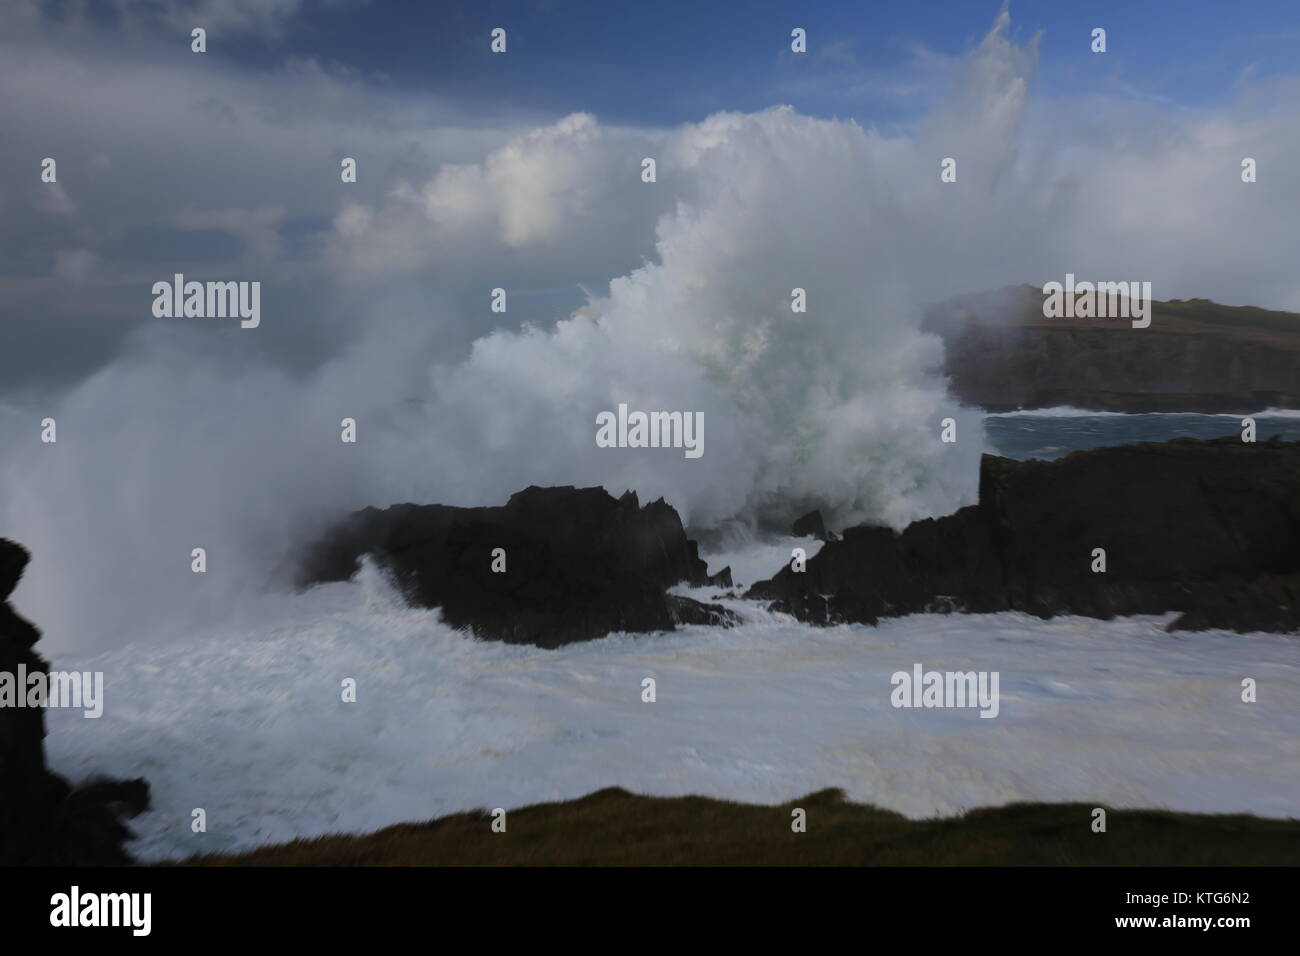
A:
(1051, 433)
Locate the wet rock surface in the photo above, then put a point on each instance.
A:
(578, 564)
(1207, 528)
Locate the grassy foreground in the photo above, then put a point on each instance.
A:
(615, 828)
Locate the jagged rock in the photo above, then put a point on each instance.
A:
(810, 525)
(1209, 528)
(43, 819)
(579, 564)
(720, 580)
(687, 611)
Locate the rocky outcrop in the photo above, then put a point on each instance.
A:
(1002, 354)
(811, 525)
(43, 819)
(552, 566)
(1207, 528)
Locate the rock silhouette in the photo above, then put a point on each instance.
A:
(1207, 528)
(579, 564)
(811, 525)
(44, 820)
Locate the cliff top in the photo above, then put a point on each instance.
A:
(1022, 307)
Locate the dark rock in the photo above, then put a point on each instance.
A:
(720, 580)
(44, 820)
(1269, 602)
(1209, 528)
(811, 525)
(579, 563)
(687, 611)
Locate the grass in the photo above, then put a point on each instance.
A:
(615, 828)
(1240, 323)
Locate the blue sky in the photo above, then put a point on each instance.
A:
(672, 61)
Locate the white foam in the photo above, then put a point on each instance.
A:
(753, 557)
(252, 728)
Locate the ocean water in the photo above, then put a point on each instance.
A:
(246, 720)
(1053, 432)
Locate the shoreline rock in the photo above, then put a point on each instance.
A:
(1210, 529)
(579, 564)
(44, 820)
(812, 525)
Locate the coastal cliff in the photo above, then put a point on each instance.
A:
(1002, 354)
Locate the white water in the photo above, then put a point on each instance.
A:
(247, 721)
